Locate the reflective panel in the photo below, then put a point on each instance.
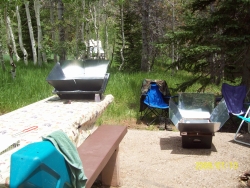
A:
(201, 101)
(76, 78)
(174, 113)
(220, 113)
(196, 112)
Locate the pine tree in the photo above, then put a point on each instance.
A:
(215, 40)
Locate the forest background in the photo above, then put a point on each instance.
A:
(203, 43)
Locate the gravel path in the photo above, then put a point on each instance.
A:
(153, 159)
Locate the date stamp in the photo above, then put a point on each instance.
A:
(219, 165)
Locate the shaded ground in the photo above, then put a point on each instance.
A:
(156, 159)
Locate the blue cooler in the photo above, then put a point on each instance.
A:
(39, 165)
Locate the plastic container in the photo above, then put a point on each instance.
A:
(39, 165)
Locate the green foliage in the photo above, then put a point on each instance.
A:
(215, 36)
(126, 89)
(157, 24)
(132, 52)
(132, 34)
(29, 86)
(25, 30)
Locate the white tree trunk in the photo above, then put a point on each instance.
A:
(13, 70)
(87, 39)
(39, 32)
(82, 33)
(8, 37)
(25, 54)
(173, 28)
(32, 39)
(96, 26)
(77, 52)
(145, 64)
(12, 37)
(52, 22)
(106, 47)
(60, 11)
(12, 64)
(1, 48)
(83, 27)
(123, 37)
(1, 57)
(41, 51)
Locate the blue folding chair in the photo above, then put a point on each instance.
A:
(154, 104)
(234, 97)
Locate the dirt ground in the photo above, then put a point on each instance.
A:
(153, 158)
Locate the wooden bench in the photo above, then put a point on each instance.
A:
(99, 155)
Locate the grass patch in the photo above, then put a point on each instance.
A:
(30, 86)
(126, 89)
